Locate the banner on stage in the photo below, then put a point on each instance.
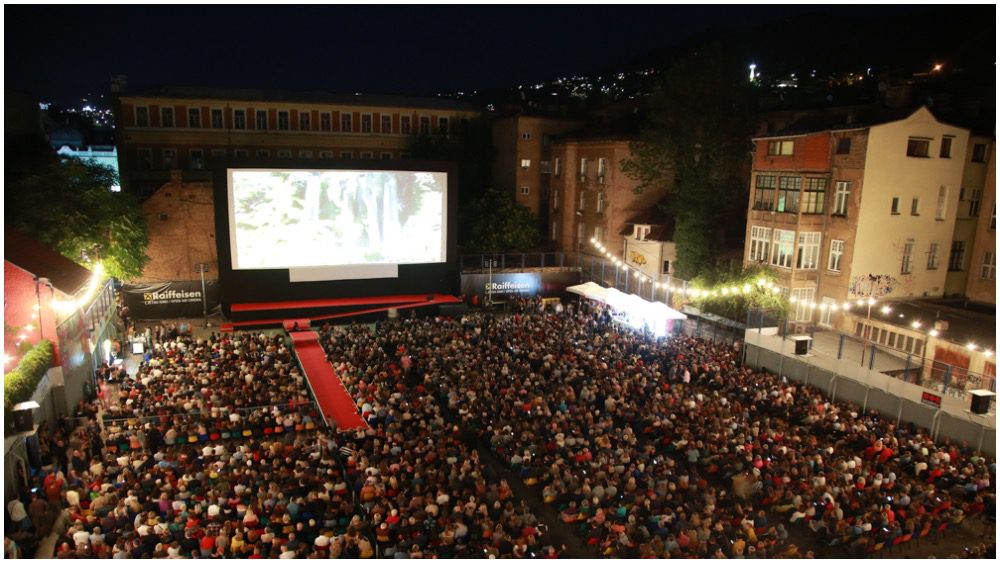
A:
(503, 286)
(170, 300)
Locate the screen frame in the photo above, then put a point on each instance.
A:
(249, 285)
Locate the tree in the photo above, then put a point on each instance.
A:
(471, 147)
(697, 145)
(735, 305)
(68, 205)
(496, 223)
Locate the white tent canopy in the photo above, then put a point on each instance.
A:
(590, 290)
(632, 309)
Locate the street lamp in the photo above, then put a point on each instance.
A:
(868, 328)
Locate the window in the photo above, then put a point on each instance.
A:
(404, 156)
(366, 123)
(218, 154)
(346, 155)
(788, 194)
(554, 227)
(217, 119)
(780, 148)
(141, 116)
(555, 198)
(169, 159)
(526, 136)
(443, 126)
(325, 121)
(386, 156)
(525, 163)
(760, 244)
(304, 123)
(580, 231)
(942, 202)
(194, 118)
(284, 154)
(945, 147)
(602, 168)
(525, 190)
(283, 121)
(404, 125)
(906, 265)
(583, 167)
(842, 198)
(642, 231)
(989, 269)
(197, 159)
(993, 216)
(844, 145)
(326, 154)
(803, 297)
(583, 200)
(166, 117)
(600, 202)
(933, 256)
(545, 167)
(239, 119)
(836, 255)
(557, 169)
(386, 126)
(814, 196)
(764, 194)
(895, 206)
(263, 153)
(915, 207)
(305, 154)
(599, 232)
(425, 125)
(241, 153)
(784, 241)
(367, 155)
(957, 256)
(345, 123)
(975, 203)
(979, 152)
(919, 148)
(145, 159)
(666, 267)
(826, 313)
(808, 256)
(262, 120)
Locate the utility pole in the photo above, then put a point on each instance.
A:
(202, 268)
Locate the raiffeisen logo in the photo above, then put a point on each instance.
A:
(508, 286)
(170, 294)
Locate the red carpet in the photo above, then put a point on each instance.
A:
(389, 302)
(338, 302)
(334, 400)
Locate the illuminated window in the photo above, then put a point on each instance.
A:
(814, 196)
(366, 123)
(239, 119)
(764, 194)
(919, 148)
(780, 148)
(425, 125)
(386, 127)
(906, 265)
(166, 117)
(760, 244)
(194, 118)
(803, 297)
(304, 121)
(325, 121)
(262, 120)
(525, 163)
(283, 121)
(600, 202)
(836, 254)
(842, 198)
(784, 242)
(946, 147)
(808, 256)
(141, 116)
(217, 119)
(988, 271)
(345, 123)
(404, 125)
(788, 194)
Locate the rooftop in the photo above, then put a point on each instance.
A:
(844, 118)
(34, 257)
(967, 322)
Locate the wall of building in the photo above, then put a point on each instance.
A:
(967, 219)
(881, 235)
(981, 287)
(181, 232)
(648, 256)
(27, 302)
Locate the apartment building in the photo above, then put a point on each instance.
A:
(164, 129)
(963, 262)
(981, 282)
(856, 205)
(590, 195)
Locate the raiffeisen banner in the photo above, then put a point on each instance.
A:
(170, 300)
(503, 286)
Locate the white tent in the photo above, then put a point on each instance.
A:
(632, 309)
(590, 290)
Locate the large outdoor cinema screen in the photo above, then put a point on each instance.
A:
(330, 220)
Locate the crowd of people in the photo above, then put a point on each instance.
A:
(644, 448)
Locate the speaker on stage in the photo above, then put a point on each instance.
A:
(980, 401)
(23, 419)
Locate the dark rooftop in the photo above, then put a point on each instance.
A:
(661, 223)
(976, 323)
(66, 275)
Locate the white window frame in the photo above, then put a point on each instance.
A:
(256, 119)
(525, 190)
(263, 153)
(382, 122)
(173, 116)
(834, 261)
(807, 257)
(826, 313)
(602, 168)
(525, 163)
(284, 154)
(346, 118)
(988, 269)
(803, 297)
(366, 155)
(163, 158)
(326, 154)
(781, 148)
(555, 198)
(194, 111)
(371, 123)
(581, 231)
(305, 118)
(328, 116)
(599, 233)
(421, 121)
(760, 244)
(783, 248)
(236, 121)
(288, 120)
(583, 166)
(136, 112)
(305, 154)
(934, 256)
(241, 153)
(583, 200)
(138, 158)
(385, 156)
(525, 135)
(346, 155)
(601, 203)
(842, 198)
(555, 228)
(942, 203)
(405, 125)
(906, 263)
(557, 169)
(211, 118)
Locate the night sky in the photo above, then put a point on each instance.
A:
(60, 54)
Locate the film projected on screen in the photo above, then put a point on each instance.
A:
(313, 220)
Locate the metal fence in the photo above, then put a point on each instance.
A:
(891, 405)
(520, 260)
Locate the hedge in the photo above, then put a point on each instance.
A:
(20, 383)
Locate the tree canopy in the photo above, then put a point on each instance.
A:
(696, 145)
(68, 205)
(497, 223)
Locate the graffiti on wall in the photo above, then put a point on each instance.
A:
(874, 285)
(637, 258)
